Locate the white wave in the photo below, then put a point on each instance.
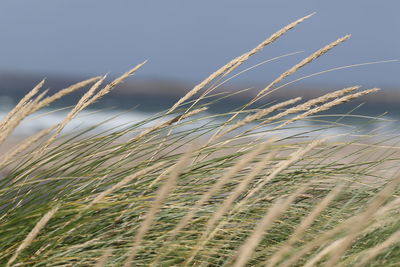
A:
(48, 117)
(114, 118)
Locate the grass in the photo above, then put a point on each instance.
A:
(188, 188)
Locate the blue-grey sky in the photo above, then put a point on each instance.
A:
(187, 40)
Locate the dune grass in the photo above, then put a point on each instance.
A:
(190, 188)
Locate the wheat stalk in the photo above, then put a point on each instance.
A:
(258, 115)
(292, 70)
(21, 104)
(233, 64)
(301, 64)
(328, 105)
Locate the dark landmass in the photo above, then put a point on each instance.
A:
(157, 95)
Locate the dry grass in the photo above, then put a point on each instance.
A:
(162, 194)
(277, 209)
(32, 234)
(135, 196)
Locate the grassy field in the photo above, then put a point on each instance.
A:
(190, 188)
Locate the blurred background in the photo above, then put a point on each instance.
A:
(185, 41)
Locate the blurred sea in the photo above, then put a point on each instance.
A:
(133, 103)
(337, 126)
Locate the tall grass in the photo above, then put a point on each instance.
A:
(190, 188)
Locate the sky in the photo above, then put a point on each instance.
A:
(187, 40)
